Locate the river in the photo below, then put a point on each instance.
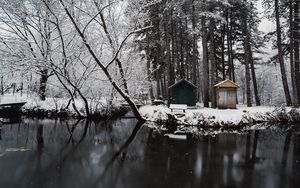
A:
(75, 154)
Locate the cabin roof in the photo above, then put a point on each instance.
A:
(183, 81)
(227, 84)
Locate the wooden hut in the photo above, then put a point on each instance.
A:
(226, 94)
(183, 92)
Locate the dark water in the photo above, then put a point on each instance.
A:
(76, 154)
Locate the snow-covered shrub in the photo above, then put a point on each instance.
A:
(295, 115)
(280, 114)
(160, 114)
(246, 119)
(193, 118)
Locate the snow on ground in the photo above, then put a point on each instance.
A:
(242, 114)
(50, 104)
(155, 113)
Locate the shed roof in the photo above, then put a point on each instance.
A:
(183, 81)
(227, 84)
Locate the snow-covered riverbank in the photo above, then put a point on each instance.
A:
(62, 106)
(219, 118)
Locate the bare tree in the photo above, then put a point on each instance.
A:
(29, 24)
(104, 68)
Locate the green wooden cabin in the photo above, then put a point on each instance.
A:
(183, 92)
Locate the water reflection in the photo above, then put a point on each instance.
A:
(124, 154)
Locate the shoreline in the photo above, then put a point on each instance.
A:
(196, 120)
(62, 108)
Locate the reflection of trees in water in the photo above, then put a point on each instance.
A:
(296, 159)
(174, 163)
(79, 143)
(286, 148)
(71, 130)
(50, 142)
(217, 161)
(110, 175)
(250, 157)
(209, 161)
(62, 147)
(214, 161)
(270, 147)
(39, 137)
(39, 153)
(111, 154)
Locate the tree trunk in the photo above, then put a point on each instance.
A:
(223, 30)
(21, 87)
(212, 64)
(43, 84)
(254, 81)
(280, 56)
(149, 74)
(229, 47)
(205, 64)
(182, 69)
(173, 54)
(296, 48)
(71, 95)
(187, 76)
(247, 51)
(158, 88)
(291, 21)
(2, 86)
(194, 55)
(122, 73)
(169, 71)
(164, 87)
(109, 37)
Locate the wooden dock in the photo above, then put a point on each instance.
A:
(12, 105)
(11, 108)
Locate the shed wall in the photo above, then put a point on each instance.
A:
(226, 98)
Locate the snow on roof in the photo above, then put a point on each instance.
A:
(181, 81)
(227, 84)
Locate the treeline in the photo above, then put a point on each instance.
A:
(203, 41)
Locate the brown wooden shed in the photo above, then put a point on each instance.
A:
(226, 94)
